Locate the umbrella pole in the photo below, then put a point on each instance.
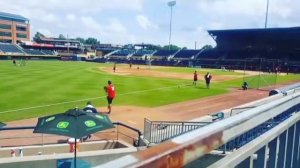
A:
(75, 153)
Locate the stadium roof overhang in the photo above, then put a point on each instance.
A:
(272, 38)
(13, 17)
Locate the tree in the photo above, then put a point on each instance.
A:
(207, 47)
(81, 40)
(173, 47)
(62, 37)
(38, 35)
(92, 41)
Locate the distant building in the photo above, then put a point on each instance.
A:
(14, 28)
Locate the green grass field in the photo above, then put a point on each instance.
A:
(47, 87)
(201, 71)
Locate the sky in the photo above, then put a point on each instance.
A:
(148, 21)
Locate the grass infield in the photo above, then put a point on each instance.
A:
(48, 87)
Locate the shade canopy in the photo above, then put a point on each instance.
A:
(74, 123)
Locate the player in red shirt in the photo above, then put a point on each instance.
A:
(195, 78)
(111, 93)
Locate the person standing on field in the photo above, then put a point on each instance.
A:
(195, 78)
(114, 68)
(207, 78)
(111, 93)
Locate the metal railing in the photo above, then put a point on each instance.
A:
(278, 147)
(190, 146)
(113, 134)
(160, 131)
(239, 110)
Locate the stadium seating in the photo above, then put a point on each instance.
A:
(164, 53)
(187, 54)
(143, 52)
(33, 52)
(48, 52)
(124, 52)
(10, 48)
(257, 131)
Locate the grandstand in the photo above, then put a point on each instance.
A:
(7, 48)
(186, 54)
(15, 39)
(252, 49)
(136, 54)
(160, 54)
(13, 28)
(64, 47)
(12, 50)
(267, 48)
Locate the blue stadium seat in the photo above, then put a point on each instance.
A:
(33, 52)
(10, 48)
(188, 54)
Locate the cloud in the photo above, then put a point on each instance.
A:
(112, 31)
(223, 14)
(145, 23)
(90, 23)
(80, 6)
(130, 21)
(50, 18)
(71, 17)
(45, 32)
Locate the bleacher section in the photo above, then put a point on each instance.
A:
(164, 53)
(186, 54)
(10, 48)
(143, 52)
(33, 52)
(124, 52)
(48, 52)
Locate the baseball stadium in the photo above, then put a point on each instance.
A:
(245, 116)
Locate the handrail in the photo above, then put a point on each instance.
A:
(133, 129)
(16, 128)
(239, 155)
(129, 127)
(190, 146)
(241, 108)
(115, 123)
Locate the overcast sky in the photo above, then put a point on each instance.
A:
(137, 21)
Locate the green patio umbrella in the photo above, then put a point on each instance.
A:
(74, 123)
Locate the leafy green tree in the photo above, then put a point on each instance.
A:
(62, 37)
(38, 35)
(173, 47)
(207, 47)
(81, 40)
(92, 41)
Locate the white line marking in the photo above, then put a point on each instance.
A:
(131, 122)
(74, 101)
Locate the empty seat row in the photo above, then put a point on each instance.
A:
(10, 48)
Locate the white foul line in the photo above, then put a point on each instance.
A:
(131, 122)
(74, 101)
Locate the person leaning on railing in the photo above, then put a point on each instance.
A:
(89, 108)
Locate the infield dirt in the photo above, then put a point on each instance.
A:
(134, 116)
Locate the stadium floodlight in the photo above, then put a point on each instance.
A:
(267, 13)
(171, 4)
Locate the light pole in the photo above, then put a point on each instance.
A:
(171, 4)
(267, 13)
